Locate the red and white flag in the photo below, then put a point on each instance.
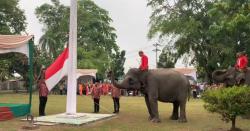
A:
(57, 70)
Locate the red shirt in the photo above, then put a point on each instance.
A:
(144, 63)
(105, 89)
(115, 92)
(242, 62)
(43, 90)
(96, 92)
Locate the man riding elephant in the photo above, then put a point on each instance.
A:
(237, 75)
(241, 65)
(242, 61)
(143, 68)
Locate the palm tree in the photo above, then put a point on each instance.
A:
(48, 44)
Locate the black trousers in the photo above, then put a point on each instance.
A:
(116, 104)
(61, 92)
(42, 104)
(96, 105)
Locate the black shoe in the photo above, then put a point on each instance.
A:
(114, 112)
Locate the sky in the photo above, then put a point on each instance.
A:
(130, 19)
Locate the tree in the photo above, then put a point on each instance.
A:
(4, 72)
(96, 38)
(117, 65)
(12, 21)
(228, 102)
(211, 30)
(55, 19)
(12, 18)
(167, 58)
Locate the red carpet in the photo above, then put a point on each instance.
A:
(5, 114)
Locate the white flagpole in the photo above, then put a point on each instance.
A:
(72, 65)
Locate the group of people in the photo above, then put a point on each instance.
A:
(86, 88)
(97, 91)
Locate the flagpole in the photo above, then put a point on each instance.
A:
(72, 66)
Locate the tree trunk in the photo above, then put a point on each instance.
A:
(233, 128)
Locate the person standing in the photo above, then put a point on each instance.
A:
(96, 94)
(116, 93)
(61, 87)
(144, 61)
(242, 61)
(241, 66)
(144, 70)
(80, 89)
(43, 94)
(87, 89)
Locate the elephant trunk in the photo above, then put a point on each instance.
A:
(219, 75)
(120, 86)
(113, 81)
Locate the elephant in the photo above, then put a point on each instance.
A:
(164, 85)
(231, 77)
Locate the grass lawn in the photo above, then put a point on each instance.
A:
(133, 115)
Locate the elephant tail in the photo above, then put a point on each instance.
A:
(189, 91)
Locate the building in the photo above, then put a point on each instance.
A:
(189, 72)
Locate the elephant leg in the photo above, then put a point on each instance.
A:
(183, 112)
(148, 106)
(175, 114)
(154, 109)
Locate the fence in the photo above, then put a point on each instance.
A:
(14, 85)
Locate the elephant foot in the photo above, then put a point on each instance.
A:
(174, 117)
(182, 120)
(156, 120)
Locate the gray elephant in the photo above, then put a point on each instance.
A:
(165, 85)
(231, 76)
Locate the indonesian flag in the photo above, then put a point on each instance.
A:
(56, 71)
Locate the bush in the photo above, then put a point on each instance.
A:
(228, 102)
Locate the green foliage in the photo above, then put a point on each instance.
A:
(13, 63)
(213, 31)
(4, 72)
(228, 102)
(12, 21)
(167, 58)
(55, 19)
(96, 38)
(12, 18)
(118, 63)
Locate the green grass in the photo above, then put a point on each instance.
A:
(133, 115)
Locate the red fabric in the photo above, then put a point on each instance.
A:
(115, 92)
(6, 114)
(58, 64)
(144, 63)
(105, 89)
(242, 62)
(96, 92)
(80, 89)
(4, 109)
(43, 90)
(87, 90)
